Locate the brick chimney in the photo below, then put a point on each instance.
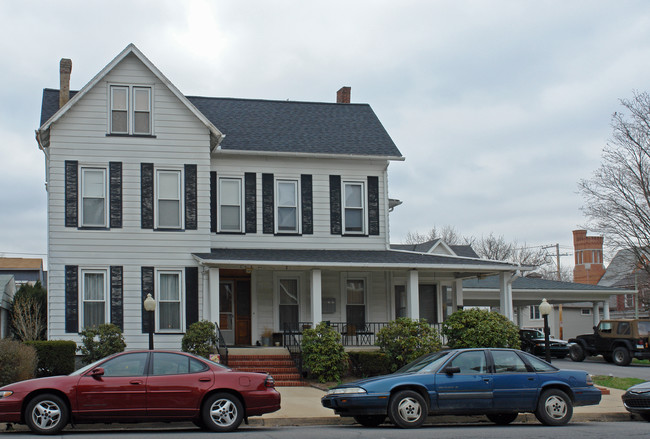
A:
(65, 68)
(588, 252)
(343, 95)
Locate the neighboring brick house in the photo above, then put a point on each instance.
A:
(254, 214)
(588, 252)
(624, 272)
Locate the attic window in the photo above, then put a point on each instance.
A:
(130, 110)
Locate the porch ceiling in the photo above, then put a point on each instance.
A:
(352, 260)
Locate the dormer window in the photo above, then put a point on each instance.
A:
(130, 110)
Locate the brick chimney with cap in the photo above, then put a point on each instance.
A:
(65, 68)
(343, 95)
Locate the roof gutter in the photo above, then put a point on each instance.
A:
(307, 155)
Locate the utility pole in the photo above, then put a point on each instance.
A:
(559, 277)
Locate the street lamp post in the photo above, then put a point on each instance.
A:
(545, 309)
(150, 307)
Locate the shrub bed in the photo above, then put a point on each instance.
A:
(368, 364)
(17, 361)
(55, 357)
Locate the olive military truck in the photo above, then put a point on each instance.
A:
(618, 341)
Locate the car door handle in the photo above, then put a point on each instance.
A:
(136, 382)
(531, 378)
(205, 379)
(487, 380)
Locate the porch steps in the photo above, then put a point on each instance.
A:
(279, 364)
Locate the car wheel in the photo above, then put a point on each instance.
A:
(608, 358)
(645, 416)
(46, 414)
(621, 356)
(577, 353)
(407, 409)
(502, 418)
(554, 408)
(222, 412)
(370, 420)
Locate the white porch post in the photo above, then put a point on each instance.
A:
(606, 310)
(412, 296)
(505, 295)
(520, 311)
(214, 294)
(316, 301)
(458, 297)
(595, 314)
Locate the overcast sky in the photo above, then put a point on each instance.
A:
(499, 107)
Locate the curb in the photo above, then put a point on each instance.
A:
(523, 418)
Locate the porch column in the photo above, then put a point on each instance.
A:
(214, 294)
(595, 314)
(316, 301)
(505, 295)
(458, 297)
(520, 311)
(413, 296)
(606, 310)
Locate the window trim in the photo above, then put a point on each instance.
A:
(533, 312)
(276, 206)
(220, 228)
(181, 299)
(82, 288)
(157, 199)
(82, 172)
(363, 208)
(130, 109)
(344, 292)
(278, 284)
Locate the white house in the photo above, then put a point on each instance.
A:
(7, 290)
(253, 214)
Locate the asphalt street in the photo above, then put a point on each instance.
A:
(598, 366)
(593, 430)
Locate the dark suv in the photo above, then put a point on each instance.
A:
(618, 341)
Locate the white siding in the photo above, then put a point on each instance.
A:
(180, 138)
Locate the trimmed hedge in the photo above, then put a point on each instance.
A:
(17, 361)
(55, 357)
(368, 363)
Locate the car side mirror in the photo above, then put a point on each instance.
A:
(452, 370)
(97, 372)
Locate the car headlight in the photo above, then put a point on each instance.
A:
(5, 393)
(346, 390)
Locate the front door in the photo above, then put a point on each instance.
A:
(235, 307)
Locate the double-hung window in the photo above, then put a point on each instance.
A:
(93, 197)
(287, 206)
(356, 304)
(168, 199)
(354, 207)
(534, 312)
(130, 110)
(230, 205)
(93, 293)
(169, 300)
(289, 304)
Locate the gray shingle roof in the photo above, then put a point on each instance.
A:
(622, 271)
(532, 283)
(345, 257)
(284, 126)
(465, 251)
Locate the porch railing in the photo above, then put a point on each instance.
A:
(222, 347)
(292, 341)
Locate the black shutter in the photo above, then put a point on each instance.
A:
(250, 200)
(146, 195)
(335, 204)
(192, 295)
(71, 193)
(147, 288)
(307, 205)
(115, 190)
(213, 202)
(117, 297)
(268, 217)
(373, 205)
(190, 197)
(71, 298)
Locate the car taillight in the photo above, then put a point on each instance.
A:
(590, 381)
(269, 381)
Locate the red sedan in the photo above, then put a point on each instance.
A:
(141, 386)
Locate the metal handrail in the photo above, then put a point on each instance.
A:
(222, 347)
(291, 341)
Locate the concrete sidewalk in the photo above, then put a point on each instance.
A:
(301, 406)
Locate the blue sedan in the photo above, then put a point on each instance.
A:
(499, 383)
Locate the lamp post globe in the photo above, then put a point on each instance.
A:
(545, 309)
(150, 307)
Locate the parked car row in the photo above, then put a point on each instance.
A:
(143, 386)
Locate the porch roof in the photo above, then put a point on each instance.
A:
(352, 259)
(530, 291)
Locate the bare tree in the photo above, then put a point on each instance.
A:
(27, 319)
(617, 196)
(448, 234)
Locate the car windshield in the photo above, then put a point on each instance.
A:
(426, 363)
